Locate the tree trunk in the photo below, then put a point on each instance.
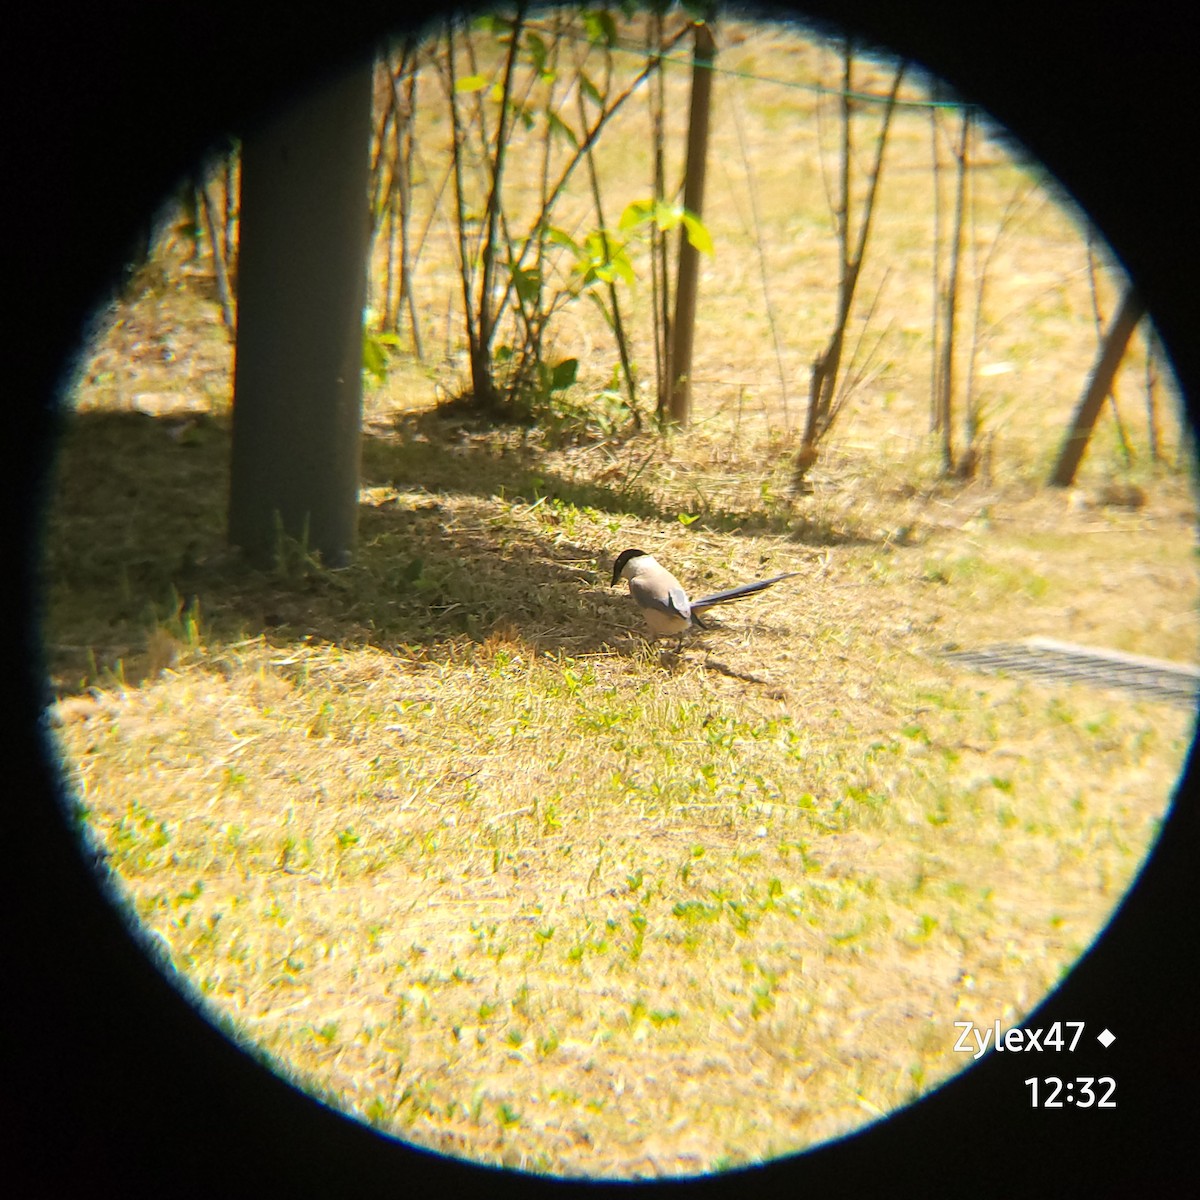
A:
(220, 262)
(305, 230)
(1109, 359)
(945, 399)
(659, 285)
(684, 327)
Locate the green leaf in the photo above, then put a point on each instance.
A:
(604, 246)
(667, 216)
(590, 90)
(374, 358)
(559, 126)
(471, 83)
(697, 234)
(537, 51)
(560, 237)
(616, 267)
(492, 23)
(635, 214)
(528, 282)
(605, 257)
(600, 26)
(586, 272)
(623, 267)
(564, 374)
(598, 301)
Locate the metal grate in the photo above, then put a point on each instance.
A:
(1050, 661)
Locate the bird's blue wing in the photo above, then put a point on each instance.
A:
(675, 604)
(678, 602)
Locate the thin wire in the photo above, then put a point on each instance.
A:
(689, 62)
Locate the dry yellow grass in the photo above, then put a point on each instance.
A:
(441, 836)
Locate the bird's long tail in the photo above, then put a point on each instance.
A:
(738, 593)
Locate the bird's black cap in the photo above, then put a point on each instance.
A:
(622, 559)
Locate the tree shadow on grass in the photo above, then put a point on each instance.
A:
(135, 548)
(134, 544)
(444, 451)
(455, 455)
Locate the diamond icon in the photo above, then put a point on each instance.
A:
(1106, 1039)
